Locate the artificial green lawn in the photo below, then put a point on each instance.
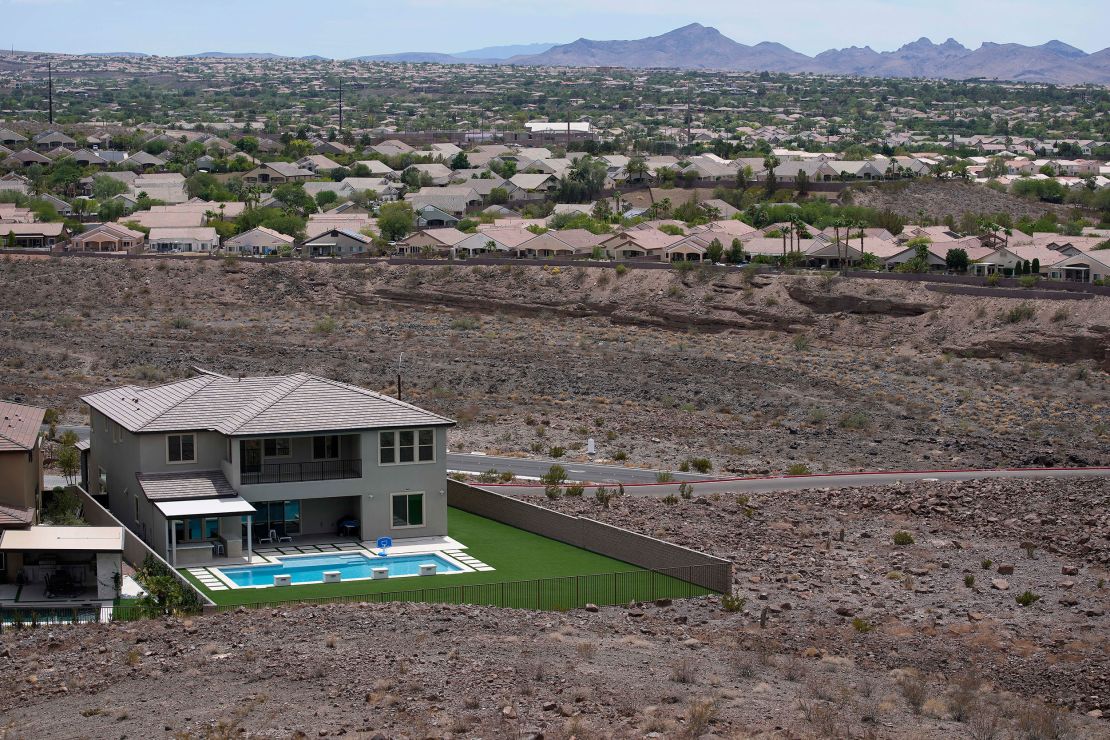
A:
(519, 559)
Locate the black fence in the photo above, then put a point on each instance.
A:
(299, 472)
(546, 594)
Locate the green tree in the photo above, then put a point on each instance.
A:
(498, 196)
(770, 163)
(714, 251)
(460, 162)
(294, 199)
(956, 260)
(105, 188)
(325, 198)
(396, 220)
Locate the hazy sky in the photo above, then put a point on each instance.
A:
(346, 28)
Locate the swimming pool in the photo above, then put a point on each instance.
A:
(350, 565)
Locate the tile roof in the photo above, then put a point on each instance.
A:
(19, 426)
(13, 517)
(185, 485)
(299, 403)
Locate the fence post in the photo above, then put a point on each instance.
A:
(653, 585)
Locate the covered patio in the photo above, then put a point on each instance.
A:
(202, 530)
(58, 566)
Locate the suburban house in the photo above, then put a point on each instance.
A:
(25, 158)
(50, 140)
(1083, 267)
(276, 173)
(438, 241)
(12, 139)
(20, 464)
(34, 235)
(206, 467)
(183, 239)
(42, 564)
(336, 242)
(317, 164)
(108, 237)
(259, 241)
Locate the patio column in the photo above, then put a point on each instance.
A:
(250, 523)
(173, 542)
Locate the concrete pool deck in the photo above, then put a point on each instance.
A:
(212, 578)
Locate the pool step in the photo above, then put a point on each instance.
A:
(468, 560)
(206, 579)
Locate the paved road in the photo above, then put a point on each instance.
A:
(836, 480)
(534, 468)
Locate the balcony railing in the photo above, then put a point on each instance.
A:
(303, 471)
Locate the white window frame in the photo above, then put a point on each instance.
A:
(415, 446)
(338, 447)
(289, 445)
(423, 509)
(181, 462)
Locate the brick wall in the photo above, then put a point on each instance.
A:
(588, 534)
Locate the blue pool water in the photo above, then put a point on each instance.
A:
(351, 565)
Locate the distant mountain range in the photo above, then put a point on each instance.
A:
(699, 47)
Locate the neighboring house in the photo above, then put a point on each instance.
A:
(532, 186)
(20, 465)
(377, 168)
(317, 164)
(276, 173)
(638, 243)
(215, 459)
(88, 158)
(183, 239)
(11, 139)
(259, 241)
(439, 174)
(391, 148)
(62, 566)
(337, 243)
(50, 140)
(145, 161)
(25, 158)
(109, 237)
(438, 241)
(1084, 267)
(35, 235)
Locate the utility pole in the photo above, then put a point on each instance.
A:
(400, 360)
(50, 89)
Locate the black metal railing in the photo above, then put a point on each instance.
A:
(295, 472)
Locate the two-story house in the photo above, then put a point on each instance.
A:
(20, 464)
(210, 466)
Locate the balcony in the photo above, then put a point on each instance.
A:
(300, 472)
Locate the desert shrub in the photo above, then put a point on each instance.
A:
(987, 563)
(684, 671)
(555, 475)
(914, 691)
(855, 420)
(326, 325)
(558, 451)
(969, 580)
(862, 625)
(670, 499)
(1027, 599)
(1019, 313)
(620, 270)
(685, 491)
(552, 491)
(798, 469)
(994, 279)
(604, 495)
(802, 342)
(1028, 281)
(1060, 315)
(464, 323)
(620, 455)
(902, 539)
(701, 464)
(664, 477)
(575, 491)
(732, 603)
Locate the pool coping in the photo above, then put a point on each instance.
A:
(454, 560)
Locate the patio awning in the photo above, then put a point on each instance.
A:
(227, 506)
(79, 539)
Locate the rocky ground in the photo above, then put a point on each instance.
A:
(863, 638)
(939, 199)
(754, 373)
